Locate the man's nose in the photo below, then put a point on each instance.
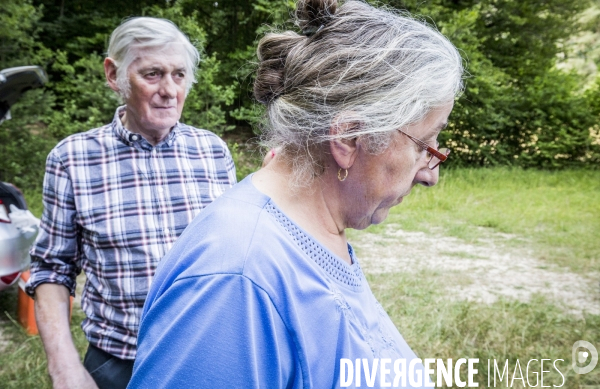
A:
(427, 177)
(168, 87)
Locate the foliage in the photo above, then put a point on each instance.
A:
(247, 160)
(86, 101)
(518, 108)
(521, 106)
(24, 142)
(233, 29)
(19, 34)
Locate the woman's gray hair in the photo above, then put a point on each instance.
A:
(353, 64)
(145, 33)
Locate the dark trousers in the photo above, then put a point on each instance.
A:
(108, 371)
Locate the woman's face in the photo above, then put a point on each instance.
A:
(378, 182)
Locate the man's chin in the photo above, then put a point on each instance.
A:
(163, 123)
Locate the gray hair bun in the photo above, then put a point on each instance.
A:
(272, 53)
(274, 49)
(377, 69)
(313, 15)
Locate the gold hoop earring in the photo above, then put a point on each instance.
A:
(340, 174)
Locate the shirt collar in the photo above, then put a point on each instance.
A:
(131, 138)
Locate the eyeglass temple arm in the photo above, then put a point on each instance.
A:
(425, 146)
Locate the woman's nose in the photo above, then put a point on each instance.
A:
(427, 177)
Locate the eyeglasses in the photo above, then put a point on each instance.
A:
(434, 157)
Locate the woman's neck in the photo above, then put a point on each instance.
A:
(314, 207)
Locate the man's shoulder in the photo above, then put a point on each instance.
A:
(224, 230)
(76, 141)
(205, 137)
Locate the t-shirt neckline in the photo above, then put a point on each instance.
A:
(350, 276)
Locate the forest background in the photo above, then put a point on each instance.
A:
(532, 94)
(531, 107)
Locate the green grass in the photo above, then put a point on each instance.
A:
(34, 202)
(556, 213)
(437, 328)
(23, 361)
(559, 212)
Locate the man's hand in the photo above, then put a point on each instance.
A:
(75, 378)
(52, 317)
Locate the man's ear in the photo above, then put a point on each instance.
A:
(344, 149)
(110, 71)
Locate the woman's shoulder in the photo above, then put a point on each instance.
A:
(223, 238)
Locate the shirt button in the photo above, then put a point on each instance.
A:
(160, 189)
(167, 232)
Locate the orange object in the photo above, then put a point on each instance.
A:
(25, 308)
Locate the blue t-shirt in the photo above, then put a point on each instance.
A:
(247, 299)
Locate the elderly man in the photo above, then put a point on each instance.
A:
(115, 200)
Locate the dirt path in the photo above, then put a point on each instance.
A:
(483, 271)
(478, 272)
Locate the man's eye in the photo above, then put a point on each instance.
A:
(152, 74)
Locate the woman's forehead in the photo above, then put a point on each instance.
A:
(435, 121)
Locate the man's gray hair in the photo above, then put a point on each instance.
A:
(355, 64)
(145, 33)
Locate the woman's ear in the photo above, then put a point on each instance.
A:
(344, 149)
(110, 71)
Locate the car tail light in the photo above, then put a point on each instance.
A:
(3, 213)
(10, 279)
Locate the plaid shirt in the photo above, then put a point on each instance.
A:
(113, 206)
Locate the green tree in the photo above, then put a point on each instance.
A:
(518, 108)
(24, 143)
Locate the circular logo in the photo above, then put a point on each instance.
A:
(580, 356)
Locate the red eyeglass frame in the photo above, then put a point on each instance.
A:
(441, 154)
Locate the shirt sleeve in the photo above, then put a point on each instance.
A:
(216, 331)
(56, 254)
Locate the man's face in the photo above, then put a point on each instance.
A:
(158, 82)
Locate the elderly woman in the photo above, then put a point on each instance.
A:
(263, 289)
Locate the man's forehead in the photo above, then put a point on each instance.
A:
(175, 51)
(160, 58)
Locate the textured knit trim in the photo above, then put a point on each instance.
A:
(340, 272)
